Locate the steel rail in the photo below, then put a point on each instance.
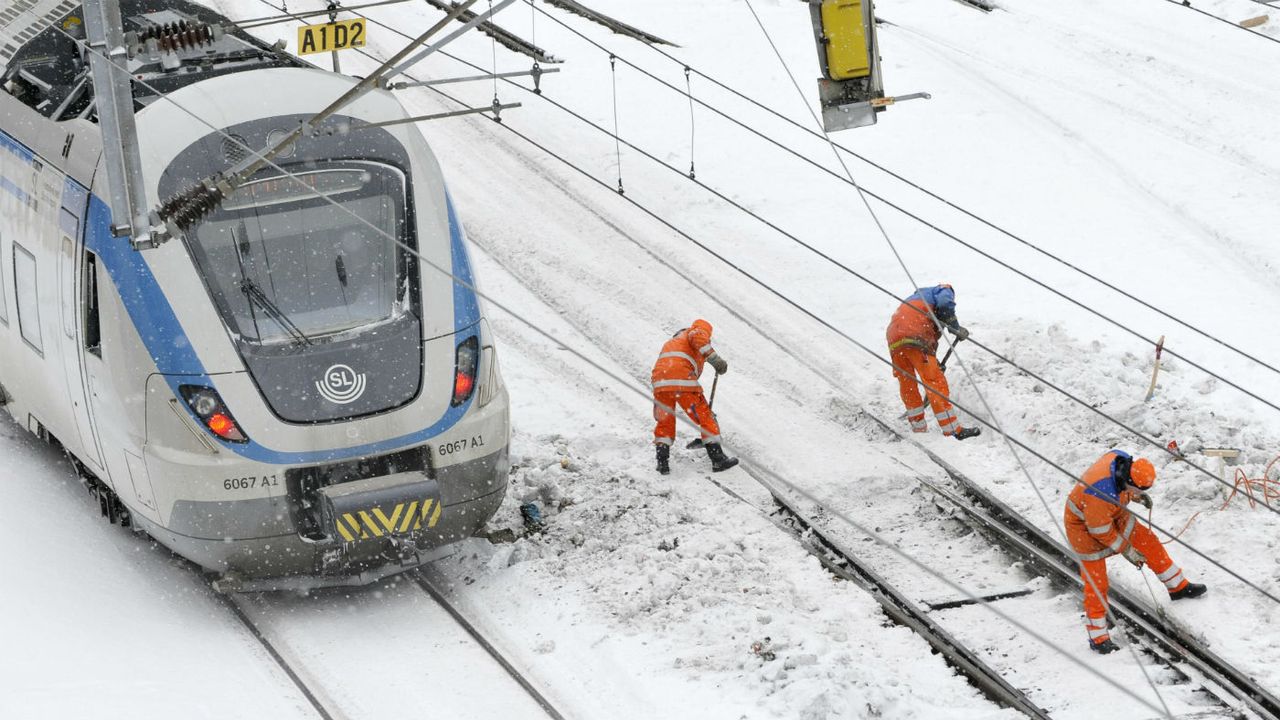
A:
(314, 696)
(420, 578)
(1021, 537)
(843, 563)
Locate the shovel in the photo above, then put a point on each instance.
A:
(697, 442)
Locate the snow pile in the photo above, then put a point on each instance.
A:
(704, 599)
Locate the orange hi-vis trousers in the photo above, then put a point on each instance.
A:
(910, 361)
(1094, 563)
(693, 404)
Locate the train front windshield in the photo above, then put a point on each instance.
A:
(290, 258)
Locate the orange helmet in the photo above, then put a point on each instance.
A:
(703, 324)
(1142, 474)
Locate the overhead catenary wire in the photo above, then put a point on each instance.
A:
(629, 385)
(933, 226)
(845, 268)
(777, 293)
(1090, 581)
(688, 84)
(1091, 407)
(617, 146)
(276, 19)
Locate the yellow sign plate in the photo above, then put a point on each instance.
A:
(329, 37)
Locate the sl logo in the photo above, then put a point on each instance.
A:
(341, 385)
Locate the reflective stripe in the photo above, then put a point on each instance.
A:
(1099, 529)
(1167, 574)
(1075, 509)
(906, 341)
(946, 414)
(1100, 555)
(664, 441)
(676, 383)
(682, 356)
(705, 349)
(919, 410)
(1173, 582)
(919, 425)
(1117, 545)
(1095, 633)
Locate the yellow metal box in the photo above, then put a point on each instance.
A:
(845, 31)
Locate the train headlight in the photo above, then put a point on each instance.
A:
(464, 374)
(208, 406)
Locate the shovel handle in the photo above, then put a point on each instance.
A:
(697, 442)
(943, 364)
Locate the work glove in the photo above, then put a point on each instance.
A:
(1132, 555)
(1143, 499)
(720, 364)
(960, 333)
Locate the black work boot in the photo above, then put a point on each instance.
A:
(719, 461)
(1103, 647)
(966, 433)
(1190, 590)
(664, 455)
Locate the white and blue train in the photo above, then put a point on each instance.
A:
(282, 394)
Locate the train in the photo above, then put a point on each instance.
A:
(301, 389)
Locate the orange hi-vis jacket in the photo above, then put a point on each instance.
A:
(912, 324)
(1097, 521)
(680, 363)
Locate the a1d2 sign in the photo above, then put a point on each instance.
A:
(340, 35)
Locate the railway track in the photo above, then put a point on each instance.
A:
(1014, 533)
(1204, 684)
(311, 647)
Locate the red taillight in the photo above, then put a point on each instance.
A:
(221, 425)
(462, 385)
(464, 374)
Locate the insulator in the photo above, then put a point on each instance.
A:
(191, 205)
(181, 35)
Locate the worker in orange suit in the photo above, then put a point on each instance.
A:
(1100, 525)
(913, 336)
(675, 385)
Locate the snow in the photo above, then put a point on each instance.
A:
(1133, 140)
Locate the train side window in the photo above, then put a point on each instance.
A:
(92, 326)
(24, 284)
(4, 300)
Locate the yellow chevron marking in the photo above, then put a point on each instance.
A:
(343, 531)
(408, 516)
(422, 514)
(435, 515)
(369, 523)
(354, 523)
(388, 522)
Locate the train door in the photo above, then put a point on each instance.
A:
(78, 310)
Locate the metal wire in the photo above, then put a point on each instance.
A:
(995, 420)
(988, 223)
(772, 290)
(559, 342)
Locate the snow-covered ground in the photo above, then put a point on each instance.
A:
(1135, 140)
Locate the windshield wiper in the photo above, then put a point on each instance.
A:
(256, 295)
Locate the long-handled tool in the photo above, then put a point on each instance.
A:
(943, 365)
(697, 442)
(1155, 371)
